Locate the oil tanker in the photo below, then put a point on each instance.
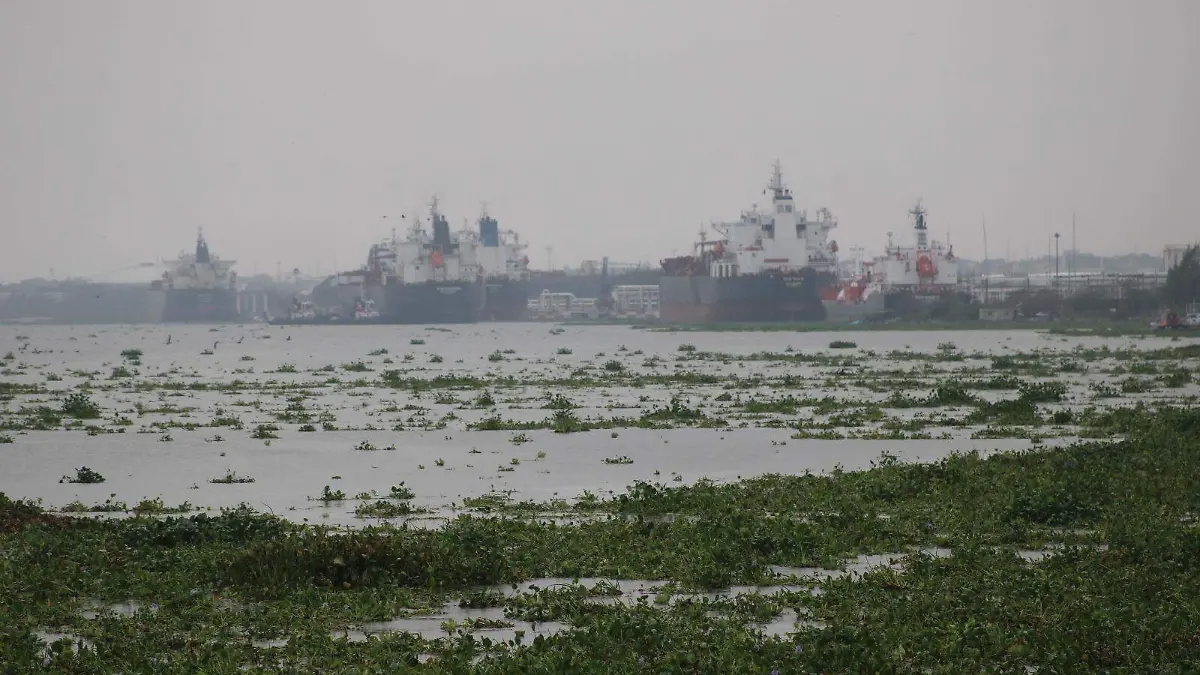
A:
(768, 266)
(443, 277)
(199, 287)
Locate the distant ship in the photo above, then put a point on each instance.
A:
(199, 287)
(916, 277)
(768, 266)
(501, 263)
(926, 268)
(445, 277)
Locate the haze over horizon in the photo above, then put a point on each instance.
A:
(288, 129)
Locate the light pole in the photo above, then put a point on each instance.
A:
(1056, 259)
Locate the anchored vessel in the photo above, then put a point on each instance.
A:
(499, 260)
(915, 277)
(442, 277)
(767, 266)
(926, 268)
(200, 287)
(422, 278)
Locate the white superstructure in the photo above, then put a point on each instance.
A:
(925, 266)
(466, 255)
(199, 270)
(781, 238)
(496, 253)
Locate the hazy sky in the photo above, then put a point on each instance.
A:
(289, 128)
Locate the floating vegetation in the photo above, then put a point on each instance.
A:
(109, 505)
(559, 402)
(265, 431)
(843, 344)
(401, 491)
(965, 536)
(231, 477)
(328, 495)
(83, 475)
(367, 446)
(896, 566)
(156, 506)
(79, 406)
(614, 366)
(383, 509)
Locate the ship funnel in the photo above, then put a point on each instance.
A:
(202, 255)
(489, 231)
(441, 232)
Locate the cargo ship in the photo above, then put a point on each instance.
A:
(767, 266)
(499, 260)
(919, 279)
(422, 278)
(445, 277)
(908, 281)
(199, 287)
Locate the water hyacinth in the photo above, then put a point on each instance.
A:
(900, 506)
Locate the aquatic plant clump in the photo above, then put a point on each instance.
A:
(232, 478)
(83, 475)
(530, 558)
(1114, 546)
(80, 406)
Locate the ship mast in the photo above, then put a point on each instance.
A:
(922, 231)
(201, 246)
(776, 184)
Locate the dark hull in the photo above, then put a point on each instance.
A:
(200, 306)
(747, 298)
(505, 300)
(80, 303)
(855, 311)
(427, 302)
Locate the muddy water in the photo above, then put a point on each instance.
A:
(294, 468)
(177, 464)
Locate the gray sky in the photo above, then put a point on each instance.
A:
(289, 128)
